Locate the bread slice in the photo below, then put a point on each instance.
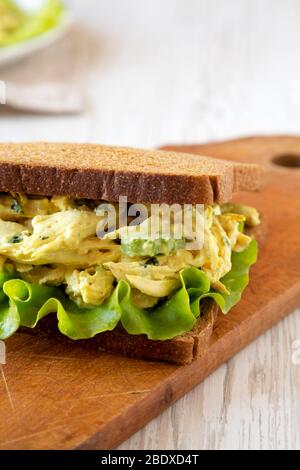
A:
(102, 172)
(181, 350)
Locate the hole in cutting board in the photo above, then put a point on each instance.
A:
(287, 160)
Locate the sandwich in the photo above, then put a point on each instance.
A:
(87, 257)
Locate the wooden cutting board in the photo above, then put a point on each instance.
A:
(57, 396)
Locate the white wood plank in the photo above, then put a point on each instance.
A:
(178, 71)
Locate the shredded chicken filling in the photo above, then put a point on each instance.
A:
(53, 241)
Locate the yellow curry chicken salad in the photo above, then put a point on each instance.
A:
(53, 241)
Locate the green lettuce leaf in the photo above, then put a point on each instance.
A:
(9, 316)
(173, 317)
(33, 302)
(24, 304)
(30, 25)
(238, 277)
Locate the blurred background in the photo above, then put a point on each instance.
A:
(147, 73)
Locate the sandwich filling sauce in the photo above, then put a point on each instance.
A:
(52, 261)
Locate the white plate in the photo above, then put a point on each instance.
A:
(10, 54)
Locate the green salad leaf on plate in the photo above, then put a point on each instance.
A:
(18, 25)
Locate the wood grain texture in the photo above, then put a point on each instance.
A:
(197, 71)
(58, 396)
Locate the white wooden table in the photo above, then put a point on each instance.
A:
(165, 71)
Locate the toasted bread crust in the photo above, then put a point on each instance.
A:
(181, 350)
(102, 172)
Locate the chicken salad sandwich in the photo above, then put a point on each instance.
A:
(82, 255)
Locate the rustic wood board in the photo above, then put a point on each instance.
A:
(56, 396)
